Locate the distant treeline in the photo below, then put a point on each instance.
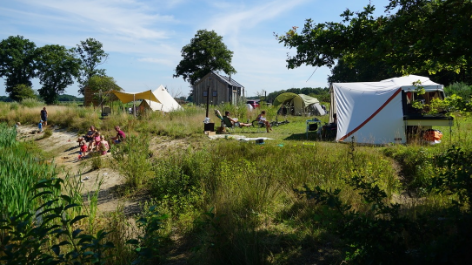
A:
(60, 98)
(322, 94)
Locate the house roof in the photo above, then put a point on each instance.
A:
(228, 80)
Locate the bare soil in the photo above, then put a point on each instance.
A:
(63, 147)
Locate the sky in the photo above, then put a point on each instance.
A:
(144, 38)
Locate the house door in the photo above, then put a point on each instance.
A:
(234, 98)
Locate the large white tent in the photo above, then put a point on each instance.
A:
(372, 112)
(166, 102)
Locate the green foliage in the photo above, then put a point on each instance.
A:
(91, 55)
(455, 167)
(19, 171)
(96, 161)
(132, 160)
(57, 67)
(17, 64)
(31, 103)
(206, 52)
(101, 86)
(22, 92)
(383, 235)
(47, 132)
(177, 181)
(362, 71)
(26, 235)
(69, 98)
(460, 89)
(102, 83)
(417, 166)
(406, 40)
(147, 246)
(5, 99)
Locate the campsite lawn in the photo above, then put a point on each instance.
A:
(231, 202)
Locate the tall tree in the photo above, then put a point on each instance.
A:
(17, 63)
(91, 55)
(101, 86)
(423, 36)
(206, 52)
(57, 68)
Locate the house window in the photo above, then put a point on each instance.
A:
(205, 93)
(214, 93)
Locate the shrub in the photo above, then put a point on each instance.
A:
(132, 160)
(31, 103)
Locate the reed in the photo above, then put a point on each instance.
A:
(19, 171)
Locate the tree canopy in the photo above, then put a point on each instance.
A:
(91, 55)
(22, 91)
(57, 67)
(17, 63)
(428, 37)
(205, 53)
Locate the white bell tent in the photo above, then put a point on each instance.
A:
(166, 102)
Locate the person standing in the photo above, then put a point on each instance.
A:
(44, 117)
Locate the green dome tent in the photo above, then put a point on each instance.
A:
(300, 104)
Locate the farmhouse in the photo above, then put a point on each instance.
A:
(219, 88)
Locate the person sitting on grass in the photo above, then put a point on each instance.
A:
(235, 121)
(120, 136)
(83, 147)
(93, 145)
(262, 119)
(103, 147)
(89, 136)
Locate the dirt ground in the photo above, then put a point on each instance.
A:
(63, 147)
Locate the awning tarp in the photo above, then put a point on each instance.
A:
(129, 97)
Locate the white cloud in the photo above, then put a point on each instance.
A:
(122, 18)
(231, 22)
(165, 62)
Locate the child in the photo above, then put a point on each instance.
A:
(40, 126)
(93, 145)
(104, 146)
(83, 147)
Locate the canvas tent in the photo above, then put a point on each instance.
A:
(300, 104)
(132, 97)
(166, 102)
(373, 112)
(129, 97)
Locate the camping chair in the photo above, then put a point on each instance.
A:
(225, 122)
(259, 125)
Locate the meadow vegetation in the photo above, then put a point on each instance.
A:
(291, 200)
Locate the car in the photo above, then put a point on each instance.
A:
(253, 103)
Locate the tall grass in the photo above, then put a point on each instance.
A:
(236, 202)
(19, 171)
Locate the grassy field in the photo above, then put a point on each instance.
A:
(291, 200)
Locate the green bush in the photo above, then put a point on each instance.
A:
(460, 89)
(31, 103)
(132, 160)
